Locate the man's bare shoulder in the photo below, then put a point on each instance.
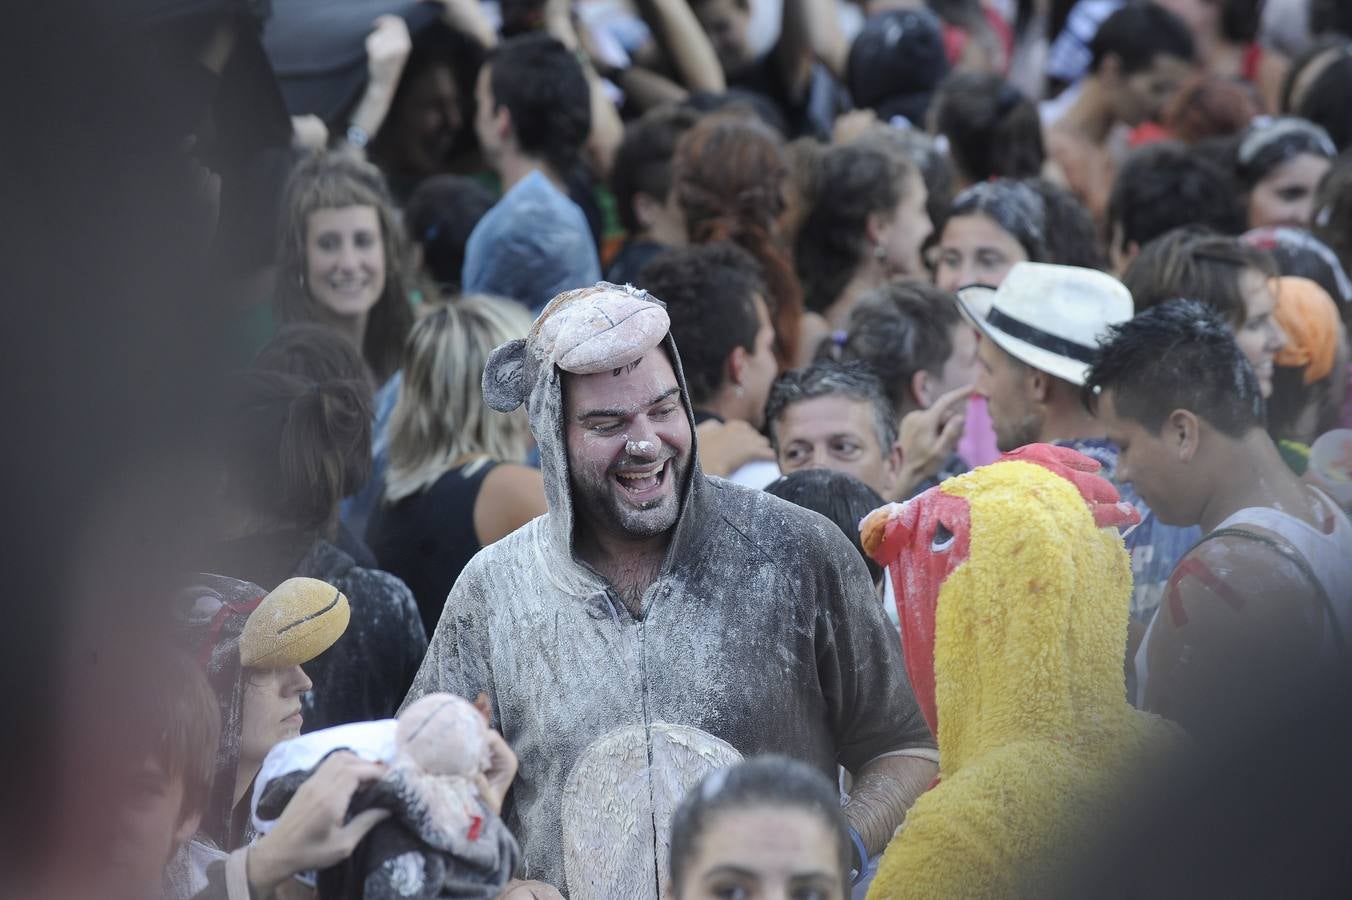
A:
(1233, 578)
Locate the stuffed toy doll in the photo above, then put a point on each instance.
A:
(440, 840)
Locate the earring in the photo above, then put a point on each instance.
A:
(879, 252)
(740, 390)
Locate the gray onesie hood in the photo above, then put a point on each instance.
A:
(585, 331)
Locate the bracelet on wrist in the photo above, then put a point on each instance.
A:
(860, 856)
(358, 136)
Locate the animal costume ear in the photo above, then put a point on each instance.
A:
(299, 620)
(606, 330)
(505, 386)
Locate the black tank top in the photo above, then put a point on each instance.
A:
(428, 538)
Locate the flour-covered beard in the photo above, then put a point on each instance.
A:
(601, 502)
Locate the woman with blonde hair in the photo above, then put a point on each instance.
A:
(342, 257)
(455, 481)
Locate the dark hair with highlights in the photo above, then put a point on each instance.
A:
(643, 161)
(293, 447)
(854, 181)
(1177, 355)
(1196, 264)
(729, 175)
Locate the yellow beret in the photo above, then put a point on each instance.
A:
(299, 620)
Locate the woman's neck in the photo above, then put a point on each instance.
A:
(867, 276)
(245, 773)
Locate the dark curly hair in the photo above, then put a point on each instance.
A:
(544, 88)
(853, 182)
(710, 293)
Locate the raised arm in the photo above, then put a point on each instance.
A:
(811, 29)
(685, 44)
(606, 128)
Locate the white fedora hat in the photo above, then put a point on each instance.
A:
(1049, 317)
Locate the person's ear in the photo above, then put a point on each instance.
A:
(735, 367)
(922, 389)
(502, 123)
(875, 228)
(1041, 385)
(1110, 70)
(646, 210)
(892, 462)
(187, 827)
(1183, 433)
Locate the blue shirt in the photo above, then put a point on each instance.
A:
(532, 245)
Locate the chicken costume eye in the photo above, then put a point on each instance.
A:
(943, 538)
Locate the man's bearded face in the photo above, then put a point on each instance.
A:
(629, 446)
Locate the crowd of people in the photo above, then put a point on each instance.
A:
(733, 448)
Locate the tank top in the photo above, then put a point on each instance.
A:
(427, 539)
(1327, 552)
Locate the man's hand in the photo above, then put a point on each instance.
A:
(311, 834)
(495, 781)
(467, 17)
(309, 133)
(928, 437)
(724, 447)
(387, 49)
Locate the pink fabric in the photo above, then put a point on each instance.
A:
(977, 447)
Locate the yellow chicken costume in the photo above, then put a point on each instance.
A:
(1012, 586)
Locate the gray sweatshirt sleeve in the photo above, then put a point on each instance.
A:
(872, 708)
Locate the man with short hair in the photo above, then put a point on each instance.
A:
(1142, 54)
(716, 302)
(911, 335)
(1040, 330)
(1267, 594)
(834, 415)
(640, 179)
(1163, 186)
(656, 624)
(534, 115)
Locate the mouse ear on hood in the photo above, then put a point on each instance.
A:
(504, 384)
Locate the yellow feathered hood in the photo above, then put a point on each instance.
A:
(1029, 633)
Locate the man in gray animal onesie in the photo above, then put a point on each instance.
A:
(657, 623)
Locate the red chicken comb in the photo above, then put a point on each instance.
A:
(1106, 504)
